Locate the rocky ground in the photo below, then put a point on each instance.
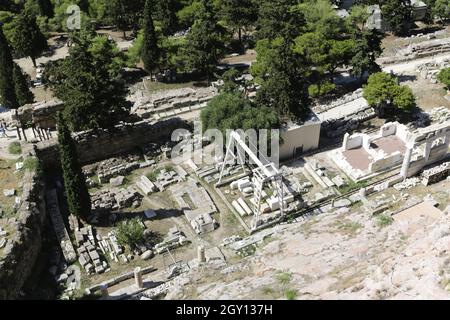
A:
(347, 256)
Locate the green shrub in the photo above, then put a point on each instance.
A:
(153, 174)
(291, 294)
(284, 277)
(325, 88)
(444, 77)
(384, 220)
(15, 148)
(130, 233)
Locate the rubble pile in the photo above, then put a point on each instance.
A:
(430, 70)
(115, 199)
(407, 184)
(88, 251)
(174, 239)
(168, 176)
(116, 167)
(440, 114)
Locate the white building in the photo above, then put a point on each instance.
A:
(299, 138)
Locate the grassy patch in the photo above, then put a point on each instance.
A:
(153, 174)
(353, 186)
(268, 291)
(31, 164)
(247, 251)
(169, 167)
(231, 219)
(284, 277)
(290, 294)
(384, 220)
(15, 148)
(349, 227)
(160, 86)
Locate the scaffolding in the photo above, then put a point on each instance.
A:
(265, 173)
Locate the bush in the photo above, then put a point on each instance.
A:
(383, 90)
(384, 220)
(284, 277)
(316, 91)
(130, 233)
(153, 174)
(15, 148)
(444, 77)
(291, 294)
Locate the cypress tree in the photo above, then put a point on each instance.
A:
(78, 198)
(23, 93)
(150, 53)
(28, 39)
(8, 97)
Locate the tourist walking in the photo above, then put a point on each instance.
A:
(3, 132)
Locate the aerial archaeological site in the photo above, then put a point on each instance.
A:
(224, 150)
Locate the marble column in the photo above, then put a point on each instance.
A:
(138, 277)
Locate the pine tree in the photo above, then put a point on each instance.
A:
(399, 15)
(78, 198)
(8, 98)
(89, 83)
(23, 93)
(279, 18)
(282, 72)
(28, 40)
(150, 52)
(124, 13)
(239, 14)
(206, 41)
(366, 51)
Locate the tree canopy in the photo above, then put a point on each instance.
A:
(444, 77)
(8, 96)
(206, 41)
(382, 90)
(150, 52)
(89, 83)
(28, 40)
(78, 198)
(23, 93)
(231, 110)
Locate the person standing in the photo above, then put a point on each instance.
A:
(3, 132)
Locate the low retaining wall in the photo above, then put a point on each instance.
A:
(103, 144)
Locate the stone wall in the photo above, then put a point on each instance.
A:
(418, 50)
(40, 114)
(20, 254)
(103, 144)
